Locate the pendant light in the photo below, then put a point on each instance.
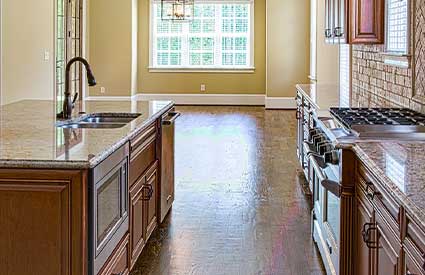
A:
(177, 10)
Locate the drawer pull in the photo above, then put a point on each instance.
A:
(149, 192)
(371, 191)
(174, 116)
(366, 231)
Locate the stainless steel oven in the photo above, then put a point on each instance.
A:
(108, 208)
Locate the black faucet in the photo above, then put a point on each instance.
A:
(68, 104)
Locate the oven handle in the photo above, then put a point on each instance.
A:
(330, 185)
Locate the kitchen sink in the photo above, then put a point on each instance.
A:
(88, 125)
(100, 121)
(111, 118)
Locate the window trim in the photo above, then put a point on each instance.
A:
(398, 59)
(172, 69)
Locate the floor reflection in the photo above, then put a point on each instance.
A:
(239, 208)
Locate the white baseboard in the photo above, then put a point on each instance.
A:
(208, 99)
(287, 103)
(110, 98)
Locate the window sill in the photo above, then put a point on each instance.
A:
(249, 70)
(397, 59)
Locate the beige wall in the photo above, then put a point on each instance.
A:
(110, 45)
(288, 47)
(218, 83)
(27, 31)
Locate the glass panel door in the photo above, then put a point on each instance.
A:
(68, 45)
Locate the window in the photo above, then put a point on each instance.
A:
(397, 31)
(220, 36)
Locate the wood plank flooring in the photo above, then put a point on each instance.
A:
(240, 206)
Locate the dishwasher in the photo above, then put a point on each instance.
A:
(167, 162)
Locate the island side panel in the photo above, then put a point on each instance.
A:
(43, 222)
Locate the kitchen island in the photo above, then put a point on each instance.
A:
(79, 200)
(368, 213)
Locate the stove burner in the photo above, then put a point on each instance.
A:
(378, 116)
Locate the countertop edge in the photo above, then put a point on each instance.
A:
(82, 165)
(390, 187)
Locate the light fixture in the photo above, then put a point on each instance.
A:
(177, 10)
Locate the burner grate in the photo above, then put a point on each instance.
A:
(377, 116)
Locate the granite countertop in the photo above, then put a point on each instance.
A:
(29, 137)
(400, 167)
(324, 96)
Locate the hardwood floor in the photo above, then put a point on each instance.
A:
(240, 206)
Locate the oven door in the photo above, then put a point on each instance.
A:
(326, 219)
(108, 221)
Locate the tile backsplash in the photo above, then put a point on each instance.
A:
(377, 84)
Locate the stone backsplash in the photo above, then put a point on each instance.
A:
(377, 84)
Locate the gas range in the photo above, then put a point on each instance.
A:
(375, 124)
(324, 162)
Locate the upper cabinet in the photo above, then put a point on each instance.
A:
(367, 21)
(355, 21)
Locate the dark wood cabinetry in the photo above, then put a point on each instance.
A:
(41, 222)
(354, 21)
(367, 21)
(144, 165)
(143, 211)
(388, 242)
(119, 263)
(364, 217)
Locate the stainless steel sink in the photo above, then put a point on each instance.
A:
(111, 119)
(100, 121)
(88, 125)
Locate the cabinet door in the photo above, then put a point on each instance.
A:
(367, 21)
(410, 266)
(363, 253)
(387, 258)
(329, 21)
(137, 220)
(151, 201)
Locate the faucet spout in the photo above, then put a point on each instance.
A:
(68, 103)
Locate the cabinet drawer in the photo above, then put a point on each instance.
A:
(142, 153)
(380, 199)
(118, 264)
(414, 244)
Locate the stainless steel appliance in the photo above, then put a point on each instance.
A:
(325, 164)
(108, 208)
(167, 162)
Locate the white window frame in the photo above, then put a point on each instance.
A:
(248, 69)
(393, 58)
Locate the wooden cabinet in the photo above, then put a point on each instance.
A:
(354, 21)
(378, 247)
(151, 187)
(143, 152)
(119, 262)
(367, 21)
(42, 226)
(388, 249)
(143, 211)
(364, 218)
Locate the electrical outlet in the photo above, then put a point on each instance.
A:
(46, 55)
(102, 90)
(203, 87)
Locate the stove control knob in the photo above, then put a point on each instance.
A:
(332, 157)
(313, 132)
(324, 147)
(318, 139)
